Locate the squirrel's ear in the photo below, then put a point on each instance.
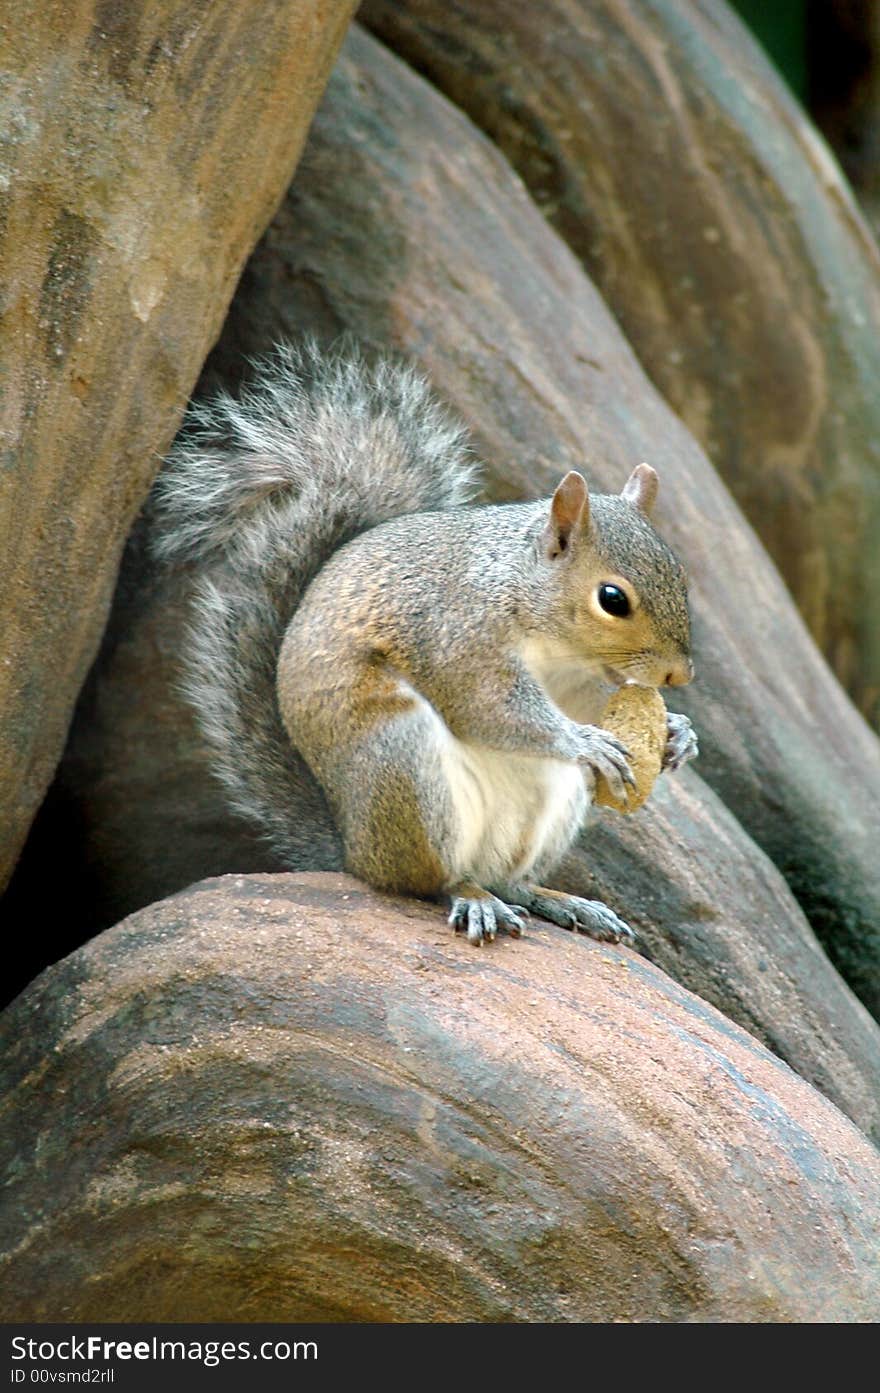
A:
(641, 488)
(569, 515)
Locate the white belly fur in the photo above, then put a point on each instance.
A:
(511, 809)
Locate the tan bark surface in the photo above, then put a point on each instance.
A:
(286, 1098)
(146, 146)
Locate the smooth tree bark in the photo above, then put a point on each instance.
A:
(146, 147)
(287, 1098)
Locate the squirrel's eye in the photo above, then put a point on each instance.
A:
(614, 601)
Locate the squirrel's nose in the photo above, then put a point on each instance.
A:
(680, 673)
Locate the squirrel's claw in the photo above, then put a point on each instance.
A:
(596, 919)
(482, 916)
(681, 743)
(605, 755)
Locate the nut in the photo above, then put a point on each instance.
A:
(637, 716)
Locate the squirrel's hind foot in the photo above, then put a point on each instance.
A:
(590, 917)
(482, 915)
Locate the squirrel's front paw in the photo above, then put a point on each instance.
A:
(605, 755)
(681, 742)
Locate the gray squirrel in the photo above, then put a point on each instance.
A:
(433, 665)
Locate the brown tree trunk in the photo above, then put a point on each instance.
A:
(146, 146)
(286, 1098)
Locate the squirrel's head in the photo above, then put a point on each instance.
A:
(623, 592)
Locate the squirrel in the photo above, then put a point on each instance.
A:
(435, 665)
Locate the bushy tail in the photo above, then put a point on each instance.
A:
(257, 494)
